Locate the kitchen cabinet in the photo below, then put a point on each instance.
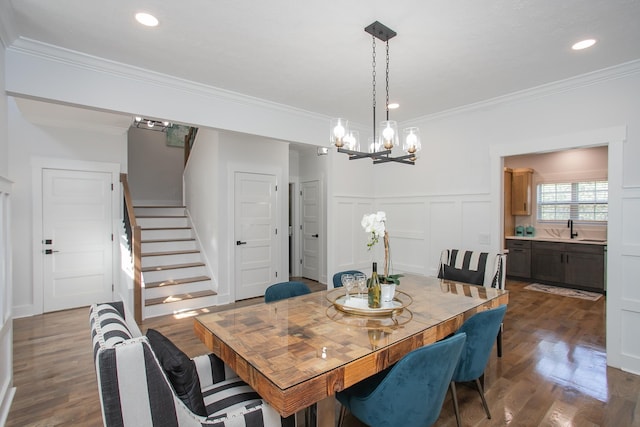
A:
(547, 261)
(519, 258)
(572, 264)
(521, 181)
(509, 220)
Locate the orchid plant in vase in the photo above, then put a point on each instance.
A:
(374, 224)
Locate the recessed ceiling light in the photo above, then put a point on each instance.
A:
(583, 44)
(393, 105)
(146, 19)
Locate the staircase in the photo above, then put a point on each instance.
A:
(175, 278)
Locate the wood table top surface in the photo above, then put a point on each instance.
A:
(298, 351)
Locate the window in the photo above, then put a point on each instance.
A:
(585, 201)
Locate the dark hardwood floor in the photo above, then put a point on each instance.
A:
(553, 371)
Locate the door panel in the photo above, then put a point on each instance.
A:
(77, 222)
(311, 230)
(256, 258)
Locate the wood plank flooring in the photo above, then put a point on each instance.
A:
(553, 371)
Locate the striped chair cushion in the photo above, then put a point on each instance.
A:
(232, 399)
(475, 267)
(108, 326)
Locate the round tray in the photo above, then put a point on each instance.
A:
(359, 306)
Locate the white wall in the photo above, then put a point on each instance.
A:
(209, 185)
(6, 306)
(27, 141)
(202, 188)
(4, 125)
(155, 168)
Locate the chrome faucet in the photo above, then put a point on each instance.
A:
(571, 233)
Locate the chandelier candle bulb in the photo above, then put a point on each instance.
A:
(352, 140)
(412, 142)
(389, 134)
(338, 132)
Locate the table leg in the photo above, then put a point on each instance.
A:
(327, 412)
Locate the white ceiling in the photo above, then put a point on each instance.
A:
(317, 57)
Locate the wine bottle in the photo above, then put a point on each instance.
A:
(375, 291)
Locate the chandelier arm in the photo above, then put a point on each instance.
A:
(406, 160)
(355, 155)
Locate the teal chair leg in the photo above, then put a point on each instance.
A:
(484, 401)
(343, 413)
(454, 397)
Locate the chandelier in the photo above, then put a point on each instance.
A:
(379, 148)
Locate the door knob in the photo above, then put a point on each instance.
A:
(238, 243)
(49, 251)
(314, 235)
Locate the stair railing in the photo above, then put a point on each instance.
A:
(189, 138)
(134, 233)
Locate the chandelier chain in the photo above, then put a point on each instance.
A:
(373, 75)
(387, 75)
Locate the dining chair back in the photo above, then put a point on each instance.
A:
(481, 330)
(337, 278)
(409, 393)
(476, 268)
(285, 290)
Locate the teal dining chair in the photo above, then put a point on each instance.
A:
(285, 290)
(337, 278)
(481, 330)
(410, 393)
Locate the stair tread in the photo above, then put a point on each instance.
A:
(190, 251)
(171, 282)
(172, 266)
(184, 239)
(165, 228)
(159, 206)
(160, 216)
(179, 297)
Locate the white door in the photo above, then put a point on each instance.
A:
(77, 238)
(256, 255)
(310, 225)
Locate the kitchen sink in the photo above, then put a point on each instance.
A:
(593, 240)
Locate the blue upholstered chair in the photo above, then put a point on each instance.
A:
(476, 268)
(285, 290)
(481, 330)
(337, 278)
(411, 392)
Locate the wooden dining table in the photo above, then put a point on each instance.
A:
(300, 351)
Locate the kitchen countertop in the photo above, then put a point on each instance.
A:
(560, 240)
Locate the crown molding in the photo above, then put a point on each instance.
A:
(572, 83)
(96, 64)
(7, 33)
(80, 60)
